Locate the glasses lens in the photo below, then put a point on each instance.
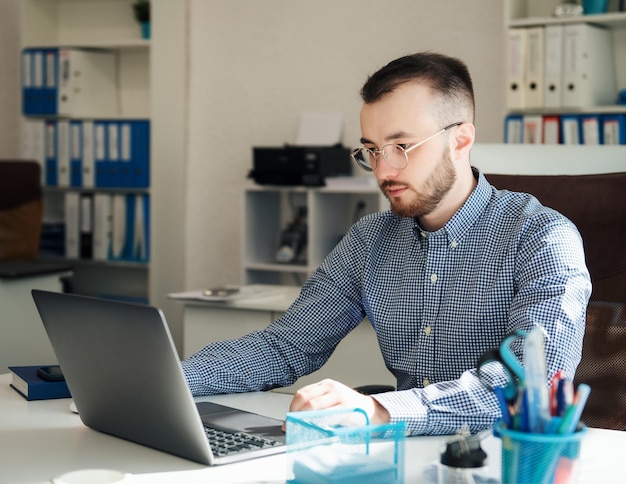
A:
(395, 156)
(365, 158)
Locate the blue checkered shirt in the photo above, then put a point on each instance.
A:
(437, 301)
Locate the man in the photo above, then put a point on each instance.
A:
(453, 268)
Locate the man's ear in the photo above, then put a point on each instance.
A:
(463, 140)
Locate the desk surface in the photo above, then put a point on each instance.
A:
(41, 439)
(277, 298)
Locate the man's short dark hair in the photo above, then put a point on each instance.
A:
(447, 77)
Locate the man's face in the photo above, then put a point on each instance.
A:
(404, 117)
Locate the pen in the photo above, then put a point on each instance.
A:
(554, 384)
(575, 410)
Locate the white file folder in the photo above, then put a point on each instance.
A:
(88, 83)
(516, 69)
(535, 63)
(588, 70)
(72, 225)
(553, 66)
(63, 153)
(102, 226)
(120, 227)
(33, 145)
(89, 168)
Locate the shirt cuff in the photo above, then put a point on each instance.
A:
(406, 406)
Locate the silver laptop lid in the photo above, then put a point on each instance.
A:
(123, 372)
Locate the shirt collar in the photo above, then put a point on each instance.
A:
(466, 216)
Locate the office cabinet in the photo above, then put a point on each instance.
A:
(319, 215)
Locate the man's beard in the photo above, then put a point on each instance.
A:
(425, 201)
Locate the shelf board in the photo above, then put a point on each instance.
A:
(612, 20)
(55, 189)
(272, 267)
(612, 109)
(115, 44)
(98, 263)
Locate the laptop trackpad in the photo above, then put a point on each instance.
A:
(228, 418)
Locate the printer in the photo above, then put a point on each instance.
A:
(299, 165)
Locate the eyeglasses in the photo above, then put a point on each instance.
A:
(396, 155)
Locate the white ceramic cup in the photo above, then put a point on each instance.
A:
(91, 476)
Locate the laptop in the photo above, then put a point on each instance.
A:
(124, 374)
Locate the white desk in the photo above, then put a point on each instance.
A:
(41, 439)
(356, 361)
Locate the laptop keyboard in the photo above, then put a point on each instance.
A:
(225, 443)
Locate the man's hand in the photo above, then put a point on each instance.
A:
(332, 394)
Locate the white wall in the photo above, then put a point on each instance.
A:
(256, 65)
(10, 106)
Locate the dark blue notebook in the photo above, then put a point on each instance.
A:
(24, 380)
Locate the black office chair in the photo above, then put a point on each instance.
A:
(21, 209)
(597, 205)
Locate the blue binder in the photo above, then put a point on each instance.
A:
(76, 153)
(614, 129)
(33, 72)
(51, 156)
(591, 129)
(129, 240)
(571, 133)
(514, 128)
(140, 154)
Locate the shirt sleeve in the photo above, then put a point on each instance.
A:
(296, 344)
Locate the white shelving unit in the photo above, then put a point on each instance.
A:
(330, 213)
(110, 25)
(537, 13)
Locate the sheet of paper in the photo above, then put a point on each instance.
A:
(320, 129)
(243, 292)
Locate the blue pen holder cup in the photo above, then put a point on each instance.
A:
(339, 446)
(539, 458)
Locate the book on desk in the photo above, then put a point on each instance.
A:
(26, 381)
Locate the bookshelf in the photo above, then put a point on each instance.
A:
(579, 120)
(92, 26)
(330, 211)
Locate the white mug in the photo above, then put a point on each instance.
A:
(91, 476)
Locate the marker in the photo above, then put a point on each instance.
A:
(575, 410)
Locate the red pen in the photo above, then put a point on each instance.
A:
(554, 385)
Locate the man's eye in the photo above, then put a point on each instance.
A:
(404, 146)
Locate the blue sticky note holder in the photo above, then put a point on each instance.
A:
(340, 446)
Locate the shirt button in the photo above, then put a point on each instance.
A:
(423, 234)
(426, 382)
(453, 244)
(433, 278)
(427, 330)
